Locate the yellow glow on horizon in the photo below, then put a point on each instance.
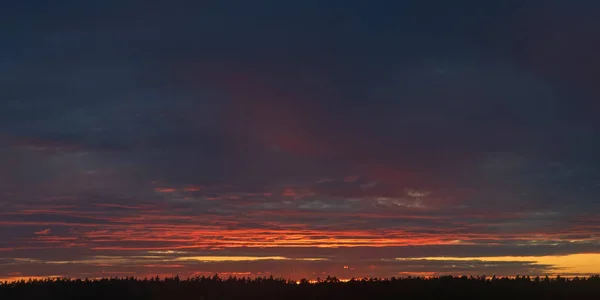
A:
(19, 278)
(585, 263)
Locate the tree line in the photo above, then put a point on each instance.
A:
(330, 288)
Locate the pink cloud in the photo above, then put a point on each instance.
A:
(43, 232)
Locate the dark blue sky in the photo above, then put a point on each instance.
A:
(266, 134)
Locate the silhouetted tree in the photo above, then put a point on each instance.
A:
(215, 288)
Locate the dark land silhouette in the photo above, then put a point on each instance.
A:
(215, 288)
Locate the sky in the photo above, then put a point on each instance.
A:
(299, 138)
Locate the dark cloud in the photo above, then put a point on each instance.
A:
(353, 131)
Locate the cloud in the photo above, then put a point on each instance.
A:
(255, 146)
(305, 268)
(43, 232)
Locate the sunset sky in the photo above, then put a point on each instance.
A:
(299, 138)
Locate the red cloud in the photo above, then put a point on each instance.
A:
(192, 188)
(165, 190)
(296, 193)
(351, 179)
(43, 232)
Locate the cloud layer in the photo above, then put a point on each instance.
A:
(299, 140)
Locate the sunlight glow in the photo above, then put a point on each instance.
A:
(586, 263)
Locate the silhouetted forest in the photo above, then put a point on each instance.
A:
(212, 288)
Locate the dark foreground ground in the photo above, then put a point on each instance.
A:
(330, 288)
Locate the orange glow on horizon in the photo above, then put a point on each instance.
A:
(585, 263)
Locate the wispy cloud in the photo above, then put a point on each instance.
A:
(254, 155)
